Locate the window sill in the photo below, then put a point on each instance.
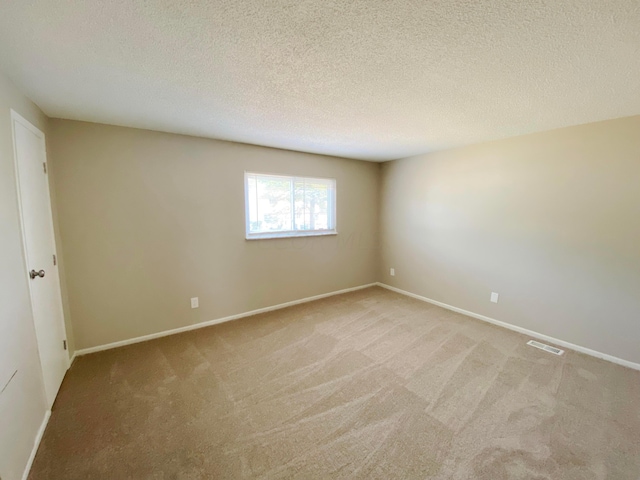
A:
(263, 236)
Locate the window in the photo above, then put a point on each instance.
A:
(281, 206)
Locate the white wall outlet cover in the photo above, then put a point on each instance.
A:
(494, 297)
(194, 302)
(392, 272)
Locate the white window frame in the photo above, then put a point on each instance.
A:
(331, 211)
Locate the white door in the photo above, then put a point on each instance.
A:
(40, 250)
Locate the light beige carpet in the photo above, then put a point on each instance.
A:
(366, 385)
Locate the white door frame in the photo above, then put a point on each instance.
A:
(16, 117)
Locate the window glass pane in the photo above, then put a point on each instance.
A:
(272, 210)
(252, 199)
(312, 204)
(289, 204)
(300, 216)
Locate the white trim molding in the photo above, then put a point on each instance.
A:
(515, 328)
(195, 326)
(36, 444)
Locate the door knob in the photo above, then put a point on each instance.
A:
(33, 274)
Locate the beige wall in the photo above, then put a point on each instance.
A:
(149, 220)
(550, 221)
(22, 403)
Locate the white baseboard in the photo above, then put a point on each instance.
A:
(165, 333)
(36, 444)
(530, 333)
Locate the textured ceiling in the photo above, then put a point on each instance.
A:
(375, 80)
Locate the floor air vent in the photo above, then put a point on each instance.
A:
(546, 348)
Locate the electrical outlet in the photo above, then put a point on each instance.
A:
(194, 302)
(392, 272)
(494, 297)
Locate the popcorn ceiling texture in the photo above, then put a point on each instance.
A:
(372, 80)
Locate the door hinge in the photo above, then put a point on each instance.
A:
(55, 260)
(44, 166)
(64, 344)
